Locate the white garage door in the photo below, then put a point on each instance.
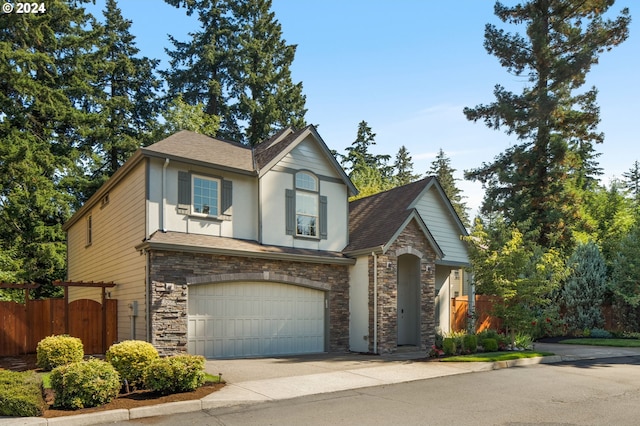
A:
(245, 319)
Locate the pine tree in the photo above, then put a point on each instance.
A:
(359, 158)
(238, 66)
(266, 97)
(404, 168)
(543, 178)
(42, 75)
(632, 182)
(123, 101)
(199, 68)
(583, 292)
(441, 168)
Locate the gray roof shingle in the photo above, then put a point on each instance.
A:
(192, 146)
(375, 219)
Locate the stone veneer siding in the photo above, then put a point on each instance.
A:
(169, 308)
(412, 239)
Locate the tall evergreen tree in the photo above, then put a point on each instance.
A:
(404, 168)
(359, 157)
(544, 176)
(632, 182)
(43, 60)
(199, 68)
(123, 101)
(265, 96)
(441, 168)
(238, 66)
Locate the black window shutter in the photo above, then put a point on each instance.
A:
(323, 217)
(290, 211)
(227, 195)
(184, 188)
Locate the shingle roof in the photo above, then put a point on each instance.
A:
(232, 246)
(192, 146)
(268, 150)
(374, 220)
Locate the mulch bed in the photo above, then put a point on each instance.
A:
(134, 399)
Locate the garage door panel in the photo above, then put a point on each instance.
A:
(254, 319)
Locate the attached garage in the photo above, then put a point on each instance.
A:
(244, 319)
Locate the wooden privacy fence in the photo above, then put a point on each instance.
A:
(483, 320)
(22, 326)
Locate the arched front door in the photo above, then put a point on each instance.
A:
(408, 300)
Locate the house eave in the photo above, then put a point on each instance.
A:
(190, 161)
(290, 257)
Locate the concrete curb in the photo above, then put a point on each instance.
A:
(291, 387)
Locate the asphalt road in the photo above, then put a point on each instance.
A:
(590, 392)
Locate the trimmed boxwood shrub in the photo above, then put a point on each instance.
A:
(470, 343)
(131, 358)
(84, 384)
(490, 345)
(178, 373)
(54, 351)
(21, 394)
(449, 346)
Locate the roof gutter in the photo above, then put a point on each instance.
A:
(150, 245)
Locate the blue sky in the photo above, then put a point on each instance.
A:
(408, 70)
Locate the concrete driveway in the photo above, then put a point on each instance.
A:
(253, 369)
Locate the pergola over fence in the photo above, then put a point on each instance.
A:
(24, 325)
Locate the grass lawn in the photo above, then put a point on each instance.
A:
(495, 356)
(621, 343)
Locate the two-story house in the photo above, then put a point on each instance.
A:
(224, 250)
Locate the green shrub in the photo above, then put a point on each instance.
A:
(54, 351)
(179, 373)
(523, 341)
(449, 346)
(85, 384)
(131, 358)
(599, 333)
(487, 334)
(630, 335)
(490, 345)
(21, 394)
(470, 343)
(438, 340)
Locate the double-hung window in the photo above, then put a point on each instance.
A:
(206, 196)
(306, 205)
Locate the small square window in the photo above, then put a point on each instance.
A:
(89, 229)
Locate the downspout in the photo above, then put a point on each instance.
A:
(375, 302)
(164, 190)
(147, 294)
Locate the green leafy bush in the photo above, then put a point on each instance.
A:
(85, 384)
(179, 373)
(490, 345)
(449, 346)
(21, 394)
(486, 334)
(131, 358)
(599, 333)
(470, 343)
(54, 351)
(523, 341)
